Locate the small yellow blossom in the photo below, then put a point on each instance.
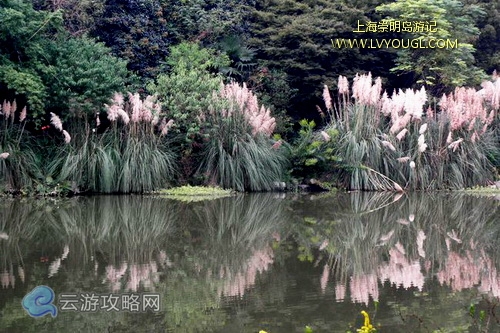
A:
(367, 327)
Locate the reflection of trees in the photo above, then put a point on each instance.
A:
(193, 253)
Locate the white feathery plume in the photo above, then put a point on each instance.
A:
(388, 145)
(401, 134)
(327, 98)
(22, 116)
(325, 136)
(56, 121)
(67, 137)
(423, 128)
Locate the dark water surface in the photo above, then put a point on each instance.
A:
(274, 262)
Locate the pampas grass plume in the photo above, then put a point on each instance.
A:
(327, 98)
(67, 137)
(56, 121)
(22, 116)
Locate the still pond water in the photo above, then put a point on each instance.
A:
(274, 262)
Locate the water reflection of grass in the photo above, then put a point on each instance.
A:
(119, 227)
(374, 238)
(368, 225)
(200, 250)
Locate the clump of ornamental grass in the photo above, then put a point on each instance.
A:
(391, 143)
(361, 149)
(132, 155)
(239, 153)
(20, 164)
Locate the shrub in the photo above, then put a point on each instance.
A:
(49, 69)
(312, 153)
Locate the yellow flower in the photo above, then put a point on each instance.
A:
(367, 318)
(262, 331)
(367, 327)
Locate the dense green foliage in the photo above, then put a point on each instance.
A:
(82, 76)
(295, 36)
(186, 92)
(40, 64)
(440, 67)
(65, 61)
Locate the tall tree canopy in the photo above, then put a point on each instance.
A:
(295, 36)
(438, 67)
(488, 43)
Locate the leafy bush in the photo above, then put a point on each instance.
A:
(312, 153)
(41, 64)
(187, 92)
(82, 76)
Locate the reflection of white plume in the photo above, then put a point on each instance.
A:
(385, 238)
(54, 267)
(400, 248)
(339, 292)
(56, 264)
(145, 274)
(403, 221)
(364, 286)
(453, 235)
(324, 277)
(401, 271)
(420, 243)
(65, 252)
(114, 275)
(466, 271)
(490, 282)
(259, 262)
(20, 272)
(7, 278)
(163, 259)
(460, 272)
(4, 279)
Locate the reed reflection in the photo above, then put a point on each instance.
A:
(407, 240)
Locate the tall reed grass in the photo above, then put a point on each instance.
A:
(132, 155)
(404, 142)
(20, 163)
(239, 153)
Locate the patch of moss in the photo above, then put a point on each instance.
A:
(482, 190)
(195, 193)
